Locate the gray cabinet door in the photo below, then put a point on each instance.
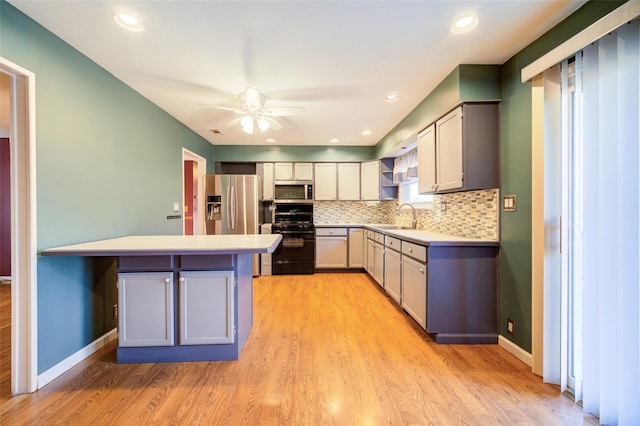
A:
(392, 274)
(331, 252)
(414, 289)
(356, 248)
(145, 309)
(378, 264)
(206, 307)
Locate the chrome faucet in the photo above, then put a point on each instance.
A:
(414, 221)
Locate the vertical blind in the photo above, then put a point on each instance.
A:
(611, 301)
(606, 305)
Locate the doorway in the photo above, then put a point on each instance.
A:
(22, 172)
(5, 241)
(194, 169)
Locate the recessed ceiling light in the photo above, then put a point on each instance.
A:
(271, 140)
(392, 97)
(366, 132)
(464, 25)
(128, 21)
(334, 140)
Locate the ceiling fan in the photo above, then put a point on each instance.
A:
(254, 113)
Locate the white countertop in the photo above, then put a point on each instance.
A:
(418, 236)
(171, 244)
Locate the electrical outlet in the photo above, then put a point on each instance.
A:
(511, 327)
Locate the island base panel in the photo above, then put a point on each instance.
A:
(191, 353)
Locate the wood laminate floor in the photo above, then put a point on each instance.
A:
(5, 341)
(325, 349)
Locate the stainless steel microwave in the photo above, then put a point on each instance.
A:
(293, 192)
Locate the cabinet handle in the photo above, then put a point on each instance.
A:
(421, 270)
(181, 279)
(167, 280)
(410, 250)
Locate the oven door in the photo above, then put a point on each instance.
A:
(296, 252)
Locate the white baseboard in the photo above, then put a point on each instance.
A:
(515, 350)
(66, 364)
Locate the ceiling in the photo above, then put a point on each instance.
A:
(337, 59)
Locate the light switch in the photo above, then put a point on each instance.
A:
(509, 203)
(176, 206)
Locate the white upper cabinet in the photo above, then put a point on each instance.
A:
(267, 181)
(325, 186)
(376, 181)
(337, 181)
(370, 180)
(348, 181)
(283, 171)
(460, 151)
(293, 171)
(449, 151)
(303, 171)
(427, 159)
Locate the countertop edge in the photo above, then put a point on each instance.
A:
(78, 250)
(393, 233)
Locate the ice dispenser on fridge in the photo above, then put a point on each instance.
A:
(214, 207)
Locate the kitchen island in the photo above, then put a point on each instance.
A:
(181, 298)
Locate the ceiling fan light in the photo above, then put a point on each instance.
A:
(263, 124)
(247, 124)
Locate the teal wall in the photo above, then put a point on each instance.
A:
(515, 253)
(464, 83)
(109, 163)
(293, 153)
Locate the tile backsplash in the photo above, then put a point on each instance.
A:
(466, 214)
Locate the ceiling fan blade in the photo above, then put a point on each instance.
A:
(224, 108)
(284, 111)
(273, 124)
(233, 122)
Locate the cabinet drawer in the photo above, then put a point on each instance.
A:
(379, 238)
(331, 232)
(370, 234)
(415, 251)
(392, 243)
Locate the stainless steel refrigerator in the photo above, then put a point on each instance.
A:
(234, 207)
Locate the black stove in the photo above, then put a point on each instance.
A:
(297, 250)
(293, 226)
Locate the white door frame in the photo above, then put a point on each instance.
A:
(24, 308)
(198, 227)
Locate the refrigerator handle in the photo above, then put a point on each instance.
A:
(228, 208)
(234, 197)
